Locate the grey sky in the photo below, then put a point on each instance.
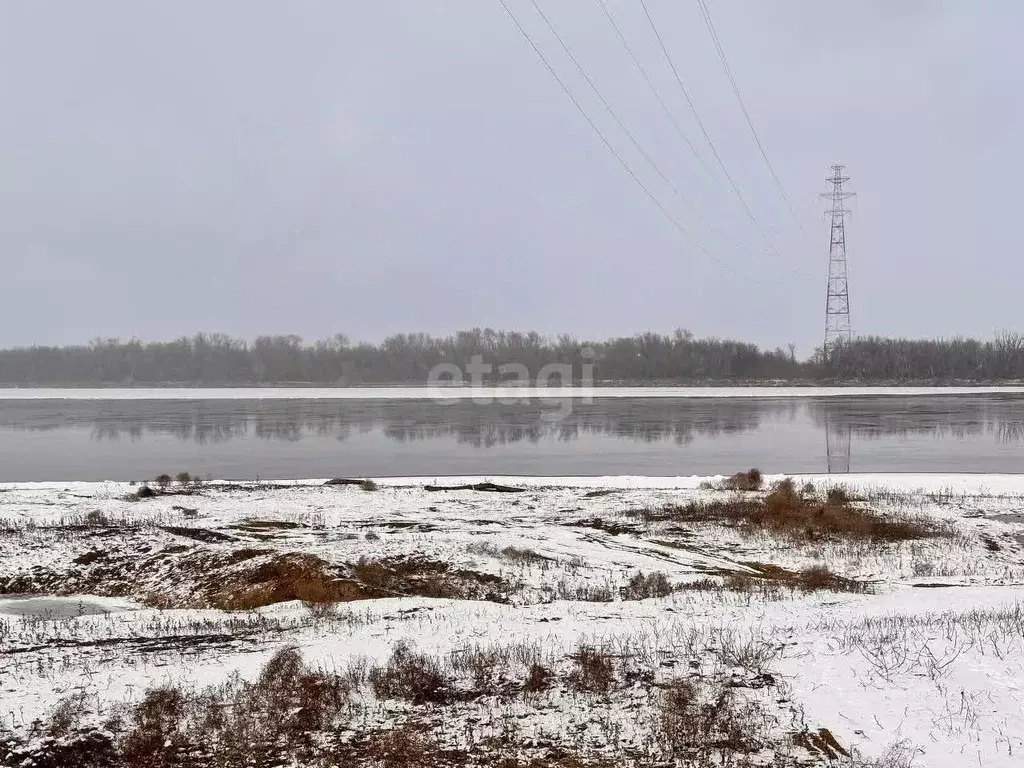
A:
(374, 167)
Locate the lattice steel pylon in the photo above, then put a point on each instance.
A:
(837, 297)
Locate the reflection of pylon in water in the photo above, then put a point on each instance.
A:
(837, 445)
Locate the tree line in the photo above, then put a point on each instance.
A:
(680, 357)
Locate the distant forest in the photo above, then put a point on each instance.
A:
(216, 359)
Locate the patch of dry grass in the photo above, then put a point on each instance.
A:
(517, 555)
(642, 586)
(594, 671)
(424, 577)
(751, 480)
(700, 725)
(790, 513)
(280, 578)
(769, 579)
(411, 676)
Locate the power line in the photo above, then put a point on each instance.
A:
(604, 139)
(653, 88)
(743, 106)
(704, 131)
(625, 129)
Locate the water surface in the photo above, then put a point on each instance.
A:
(281, 439)
(53, 607)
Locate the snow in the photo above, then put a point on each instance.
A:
(979, 484)
(934, 657)
(482, 394)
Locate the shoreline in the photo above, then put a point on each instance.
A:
(817, 626)
(492, 394)
(991, 484)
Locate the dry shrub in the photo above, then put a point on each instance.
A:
(523, 556)
(163, 480)
(143, 492)
(274, 721)
(584, 593)
(481, 663)
(157, 738)
(410, 676)
(837, 496)
(289, 704)
(594, 672)
(66, 716)
(259, 723)
(404, 747)
(90, 748)
(706, 727)
(641, 587)
(704, 585)
(538, 678)
(183, 478)
(751, 480)
(785, 511)
(97, 518)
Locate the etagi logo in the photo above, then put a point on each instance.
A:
(555, 383)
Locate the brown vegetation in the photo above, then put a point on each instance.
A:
(538, 678)
(425, 578)
(751, 480)
(594, 672)
(516, 555)
(365, 484)
(274, 720)
(769, 580)
(785, 511)
(813, 579)
(410, 676)
(96, 517)
(295, 715)
(281, 578)
(641, 586)
(208, 574)
(698, 726)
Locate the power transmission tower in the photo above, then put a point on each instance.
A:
(837, 297)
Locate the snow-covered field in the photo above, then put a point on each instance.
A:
(488, 394)
(913, 652)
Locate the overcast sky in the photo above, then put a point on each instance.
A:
(397, 165)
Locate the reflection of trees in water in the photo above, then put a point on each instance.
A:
(649, 420)
(106, 432)
(941, 416)
(478, 425)
(488, 425)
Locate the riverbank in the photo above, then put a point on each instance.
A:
(489, 394)
(550, 616)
